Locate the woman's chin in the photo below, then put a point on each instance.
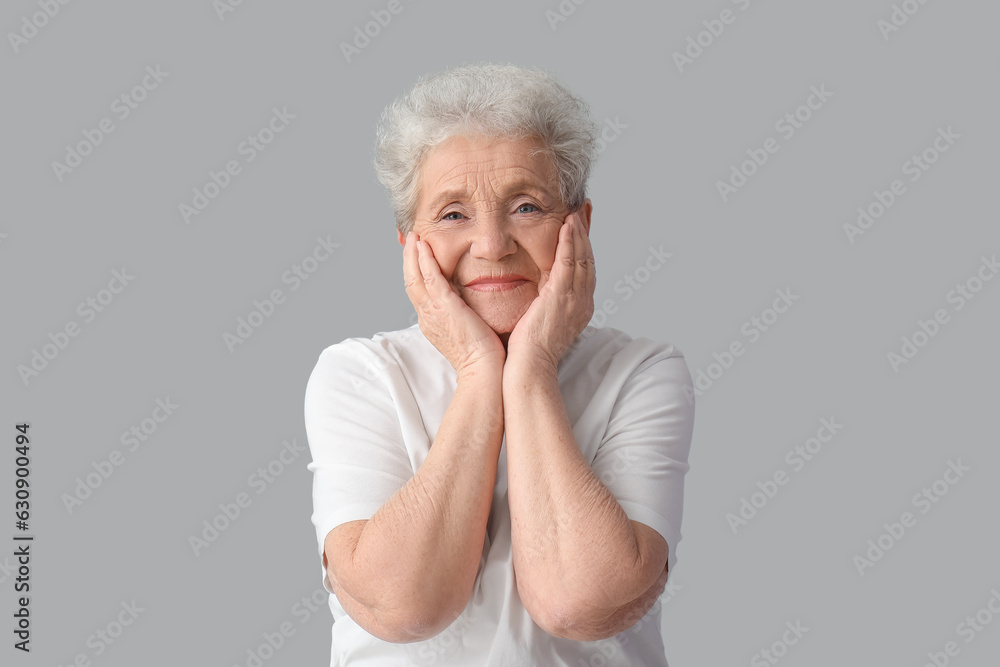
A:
(502, 320)
(501, 315)
(502, 327)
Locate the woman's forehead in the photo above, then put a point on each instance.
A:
(462, 167)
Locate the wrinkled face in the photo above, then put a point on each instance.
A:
(491, 212)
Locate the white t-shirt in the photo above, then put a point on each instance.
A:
(372, 410)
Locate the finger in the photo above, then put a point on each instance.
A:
(584, 276)
(582, 264)
(588, 276)
(412, 278)
(433, 280)
(565, 264)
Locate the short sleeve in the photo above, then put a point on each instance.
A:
(358, 456)
(643, 457)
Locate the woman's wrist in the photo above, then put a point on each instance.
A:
(483, 370)
(530, 369)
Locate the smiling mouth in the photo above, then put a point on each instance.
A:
(496, 286)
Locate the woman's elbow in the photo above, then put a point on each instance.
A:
(404, 622)
(417, 626)
(557, 615)
(589, 620)
(589, 626)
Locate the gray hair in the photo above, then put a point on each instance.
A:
(502, 101)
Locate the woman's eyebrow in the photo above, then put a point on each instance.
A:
(446, 197)
(525, 186)
(508, 192)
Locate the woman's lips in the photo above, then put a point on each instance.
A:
(498, 286)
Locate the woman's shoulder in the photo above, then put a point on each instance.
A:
(369, 365)
(384, 346)
(606, 362)
(605, 342)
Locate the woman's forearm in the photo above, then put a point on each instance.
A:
(576, 553)
(416, 559)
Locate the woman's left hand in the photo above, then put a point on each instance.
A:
(565, 302)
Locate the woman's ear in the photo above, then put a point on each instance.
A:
(402, 239)
(585, 212)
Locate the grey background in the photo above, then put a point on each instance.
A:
(655, 184)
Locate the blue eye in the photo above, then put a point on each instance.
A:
(447, 215)
(523, 206)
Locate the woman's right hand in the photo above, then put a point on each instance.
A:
(445, 319)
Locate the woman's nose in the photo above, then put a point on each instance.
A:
(493, 238)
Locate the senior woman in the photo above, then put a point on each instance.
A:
(499, 484)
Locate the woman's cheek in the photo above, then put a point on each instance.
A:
(446, 261)
(446, 254)
(548, 243)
